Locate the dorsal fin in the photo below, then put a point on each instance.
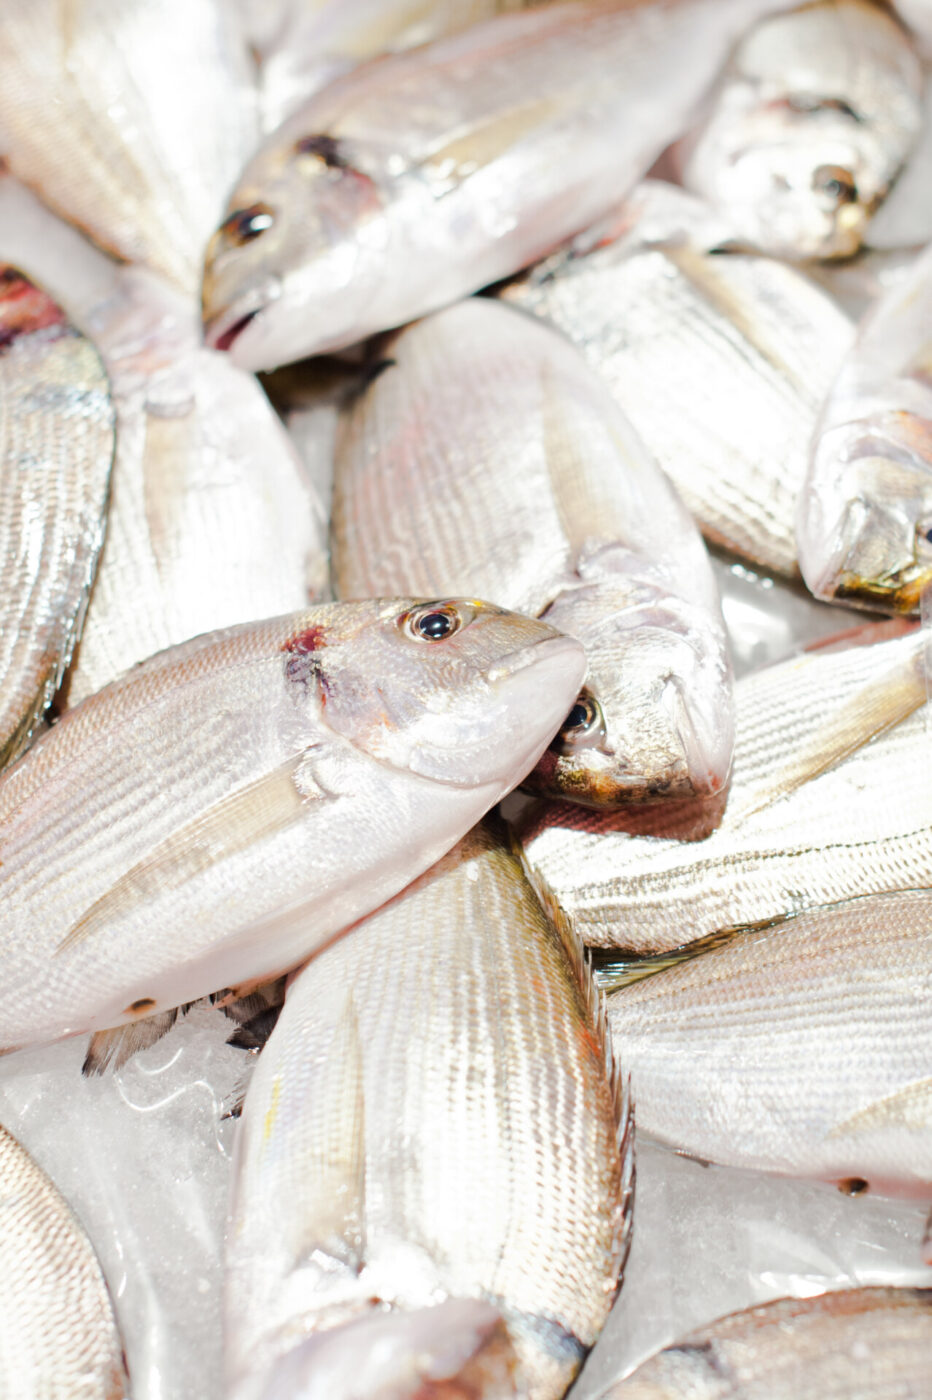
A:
(111, 1049)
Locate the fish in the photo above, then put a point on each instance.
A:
(799, 1045)
(58, 1334)
(232, 803)
(420, 177)
(814, 117)
(434, 1119)
(58, 438)
(198, 536)
(829, 799)
(317, 41)
(866, 1342)
(486, 456)
(720, 360)
(904, 219)
(131, 121)
(864, 520)
(918, 17)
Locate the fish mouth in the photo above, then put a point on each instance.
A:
(225, 327)
(223, 339)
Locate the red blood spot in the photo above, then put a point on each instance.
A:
(303, 665)
(311, 639)
(23, 307)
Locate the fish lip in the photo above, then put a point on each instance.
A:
(526, 656)
(224, 339)
(224, 328)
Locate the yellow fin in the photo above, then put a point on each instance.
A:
(237, 821)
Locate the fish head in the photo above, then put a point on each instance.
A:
(295, 263)
(454, 690)
(459, 1349)
(865, 536)
(655, 721)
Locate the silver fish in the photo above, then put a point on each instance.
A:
(864, 523)
(131, 121)
(800, 1045)
(869, 1343)
(487, 457)
(904, 219)
(720, 362)
(810, 125)
(57, 434)
(434, 1117)
(58, 1336)
(233, 802)
(829, 798)
(421, 176)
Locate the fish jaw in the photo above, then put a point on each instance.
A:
(458, 1350)
(659, 672)
(473, 709)
(864, 528)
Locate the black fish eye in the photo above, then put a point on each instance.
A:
(432, 624)
(243, 225)
(584, 723)
(836, 182)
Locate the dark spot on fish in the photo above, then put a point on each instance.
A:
(853, 1186)
(303, 665)
(550, 1334)
(140, 1007)
(243, 225)
(224, 341)
(326, 148)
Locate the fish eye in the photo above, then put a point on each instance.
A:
(924, 530)
(837, 182)
(431, 623)
(583, 726)
(243, 225)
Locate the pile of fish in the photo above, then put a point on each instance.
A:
(398, 403)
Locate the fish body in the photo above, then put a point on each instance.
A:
(57, 435)
(801, 1046)
(810, 124)
(433, 1118)
(721, 361)
(829, 799)
(904, 219)
(130, 121)
(58, 1336)
(233, 802)
(422, 176)
(487, 452)
(864, 523)
(316, 41)
(868, 1343)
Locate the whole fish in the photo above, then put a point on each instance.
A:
(230, 804)
(434, 1117)
(868, 1343)
(58, 1336)
(57, 436)
(422, 176)
(720, 361)
(212, 518)
(316, 41)
(799, 1045)
(829, 798)
(487, 457)
(864, 523)
(131, 121)
(809, 126)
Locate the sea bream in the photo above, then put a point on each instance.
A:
(829, 798)
(435, 1117)
(810, 124)
(486, 456)
(864, 522)
(721, 360)
(422, 176)
(56, 448)
(230, 804)
(58, 1335)
(868, 1343)
(800, 1045)
(130, 120)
